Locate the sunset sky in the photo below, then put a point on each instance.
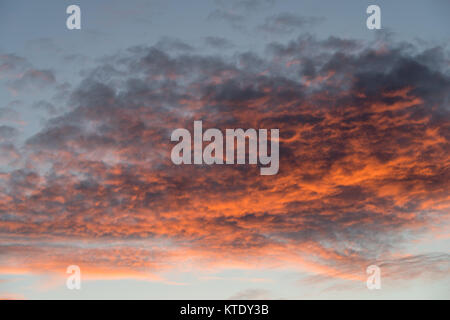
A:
(86, 176)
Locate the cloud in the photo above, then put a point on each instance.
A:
(11, 62)
(20, 74)
(364, 140)
(434, 265)
(218, 43)
(33, 79)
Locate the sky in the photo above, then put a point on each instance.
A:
(86, 176)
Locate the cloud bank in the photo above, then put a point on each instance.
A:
(364, 163)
